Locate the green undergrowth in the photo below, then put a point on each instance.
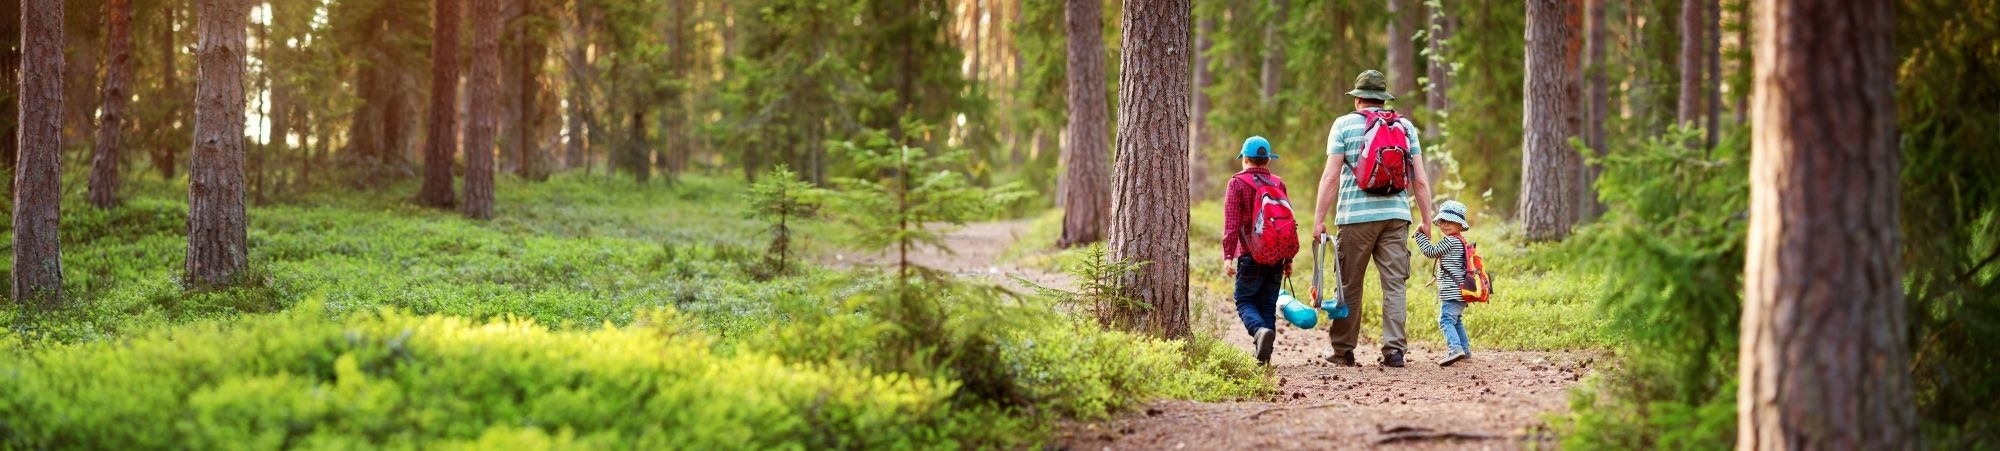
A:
(592, 314)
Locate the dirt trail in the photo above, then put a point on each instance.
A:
(1496, 400)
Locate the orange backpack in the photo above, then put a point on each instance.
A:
(1475, 285)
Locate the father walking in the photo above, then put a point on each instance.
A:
(1371, 226)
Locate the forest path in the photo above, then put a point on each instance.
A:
(1497, 400)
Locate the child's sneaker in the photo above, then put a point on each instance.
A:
(1264, 338)
(1453, 357)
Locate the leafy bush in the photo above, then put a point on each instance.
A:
(1672, 244)
(405, 381)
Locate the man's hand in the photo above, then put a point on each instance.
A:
(1424, 228)
(1319, 229)
(1229, 267)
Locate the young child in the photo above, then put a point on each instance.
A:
(1256, 284)
(1450, 254)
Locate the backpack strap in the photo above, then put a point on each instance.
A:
(1370, 120)
(1464, 261)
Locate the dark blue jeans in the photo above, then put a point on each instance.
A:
(1257, 293)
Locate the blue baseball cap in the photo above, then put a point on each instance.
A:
(1257, 147)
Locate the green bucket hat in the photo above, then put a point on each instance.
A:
(1371, 84)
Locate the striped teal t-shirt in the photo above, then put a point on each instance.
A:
(1348, 139)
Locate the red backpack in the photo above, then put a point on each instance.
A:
(1385, 166)
(1273, 237)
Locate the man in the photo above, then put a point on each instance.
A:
(1371, 227)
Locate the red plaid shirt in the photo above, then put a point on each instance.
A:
(1239, 209)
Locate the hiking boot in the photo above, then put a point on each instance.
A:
(1264, 338)
(1392, 358)
(1342, 359)
(1452, 357)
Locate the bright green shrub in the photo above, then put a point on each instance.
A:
(403, 381)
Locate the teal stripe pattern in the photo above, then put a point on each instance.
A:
(1348, 139)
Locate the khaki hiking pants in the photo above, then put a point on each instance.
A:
(1386, 242)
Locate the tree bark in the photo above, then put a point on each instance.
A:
(527, 115)
(1437, 96)
(1086, 200)
(111, 117)
(1712, 55)
(1402, 50)
(577, 64)
(1550, 167)
(1824, 358)
(216, 225)
(482, 88)
(436, 191)
(1692, 27)
(1149, 210)
(1198, 128)
(164, 157)
(1597, 110)
(10, 76)
(38, 171)
(1274, 52)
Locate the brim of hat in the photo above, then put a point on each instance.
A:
(1270, 156)
(1377, 95)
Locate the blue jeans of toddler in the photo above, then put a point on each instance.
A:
(1451, 320)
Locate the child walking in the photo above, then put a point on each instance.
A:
(1255, 215)
(1450, 254)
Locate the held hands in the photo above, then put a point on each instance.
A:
(1229, 267)
(1424, 228)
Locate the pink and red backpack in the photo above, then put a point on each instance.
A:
(1273, 237)
(1386, 165)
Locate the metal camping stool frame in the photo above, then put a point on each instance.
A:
(1319, 250)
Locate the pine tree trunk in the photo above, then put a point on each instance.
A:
(1712, 55)
(216, 225)
(1598, 109)
(1438, 96)
(111, 117)
(1550, 167)
(529, 119)
(10, 76)
(1824, 357)
(1402, 50)
(38, 171)
(1274, 52)
(1086, 199)
(1149, 210)
(578, 64)
(436, 191)
(978, 35)
(1198, 128)
(164, 157)
(1692, 27)
(482, 89)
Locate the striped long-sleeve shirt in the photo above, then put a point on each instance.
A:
(1450, 253)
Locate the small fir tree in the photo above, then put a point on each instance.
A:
(781, 199)
(908, 196)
